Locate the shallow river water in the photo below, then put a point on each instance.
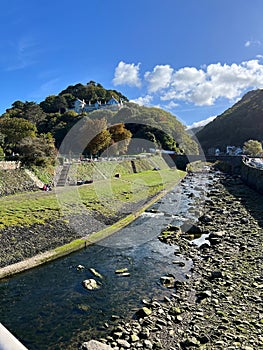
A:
(47, 307)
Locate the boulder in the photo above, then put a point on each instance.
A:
(95, 345)
(191, 228)
(91, 284)
(143, 312)
(168, 281)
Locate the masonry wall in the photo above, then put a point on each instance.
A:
(253, 177)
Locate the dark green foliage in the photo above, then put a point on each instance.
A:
(240, 123)
(38, 151)
(30, 111)
(92, 92)
(15, 129)
(24, 127)
(53, 104)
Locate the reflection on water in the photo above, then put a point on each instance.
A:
(47, 307)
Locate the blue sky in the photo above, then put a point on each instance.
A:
(194, 58)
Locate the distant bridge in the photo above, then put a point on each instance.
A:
(180, 161)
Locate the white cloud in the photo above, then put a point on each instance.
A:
(249, 43)
(127, 74)
(159, 78)
(201, 87)
(171, 105)
(205, 86)
(201, 122)
(143, 101)
(187, 78)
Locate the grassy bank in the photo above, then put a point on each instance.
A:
(34, 225)
(38, 207)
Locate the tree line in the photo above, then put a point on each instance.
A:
(33, 132)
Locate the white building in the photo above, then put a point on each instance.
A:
(82, 106)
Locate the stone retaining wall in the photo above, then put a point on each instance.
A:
(253, 177)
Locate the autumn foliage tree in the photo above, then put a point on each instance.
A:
(94, 136)
(120, 138)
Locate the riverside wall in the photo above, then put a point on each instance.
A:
(253, 177)
(231, 164)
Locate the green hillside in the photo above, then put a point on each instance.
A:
(238, 124)
(34, 132)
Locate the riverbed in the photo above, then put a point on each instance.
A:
(47, 307)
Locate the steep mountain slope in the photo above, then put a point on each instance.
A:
(242, 122)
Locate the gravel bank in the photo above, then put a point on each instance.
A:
(219, 305)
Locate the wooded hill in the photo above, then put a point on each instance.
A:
(238, 124)
(36, 131)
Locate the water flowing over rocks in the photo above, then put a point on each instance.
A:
(219, 304)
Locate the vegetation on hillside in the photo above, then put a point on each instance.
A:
(33, 132)
(240, 123)
(253, 148)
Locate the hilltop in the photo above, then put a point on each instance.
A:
(34, 132)
(238, 124)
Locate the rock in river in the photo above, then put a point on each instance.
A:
(91, 284)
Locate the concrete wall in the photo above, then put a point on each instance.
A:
(253, 177)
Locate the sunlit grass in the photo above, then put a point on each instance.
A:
(104, 196)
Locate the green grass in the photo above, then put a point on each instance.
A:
(26, 209)
(102, 170)
(104, 196)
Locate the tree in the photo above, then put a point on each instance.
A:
(120, 138)
(30, 111)
(252, 147)
(33, 112)
(15, 129)
(93, 136)
(53, 104)
(70, 99)
(38, 151)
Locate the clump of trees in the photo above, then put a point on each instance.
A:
(33, 132)
(253, 148)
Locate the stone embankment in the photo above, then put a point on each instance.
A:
(253, 177)
(15, 181)
(219, 305)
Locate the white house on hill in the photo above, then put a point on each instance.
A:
(82, 106)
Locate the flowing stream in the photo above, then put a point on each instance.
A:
(48, 308)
